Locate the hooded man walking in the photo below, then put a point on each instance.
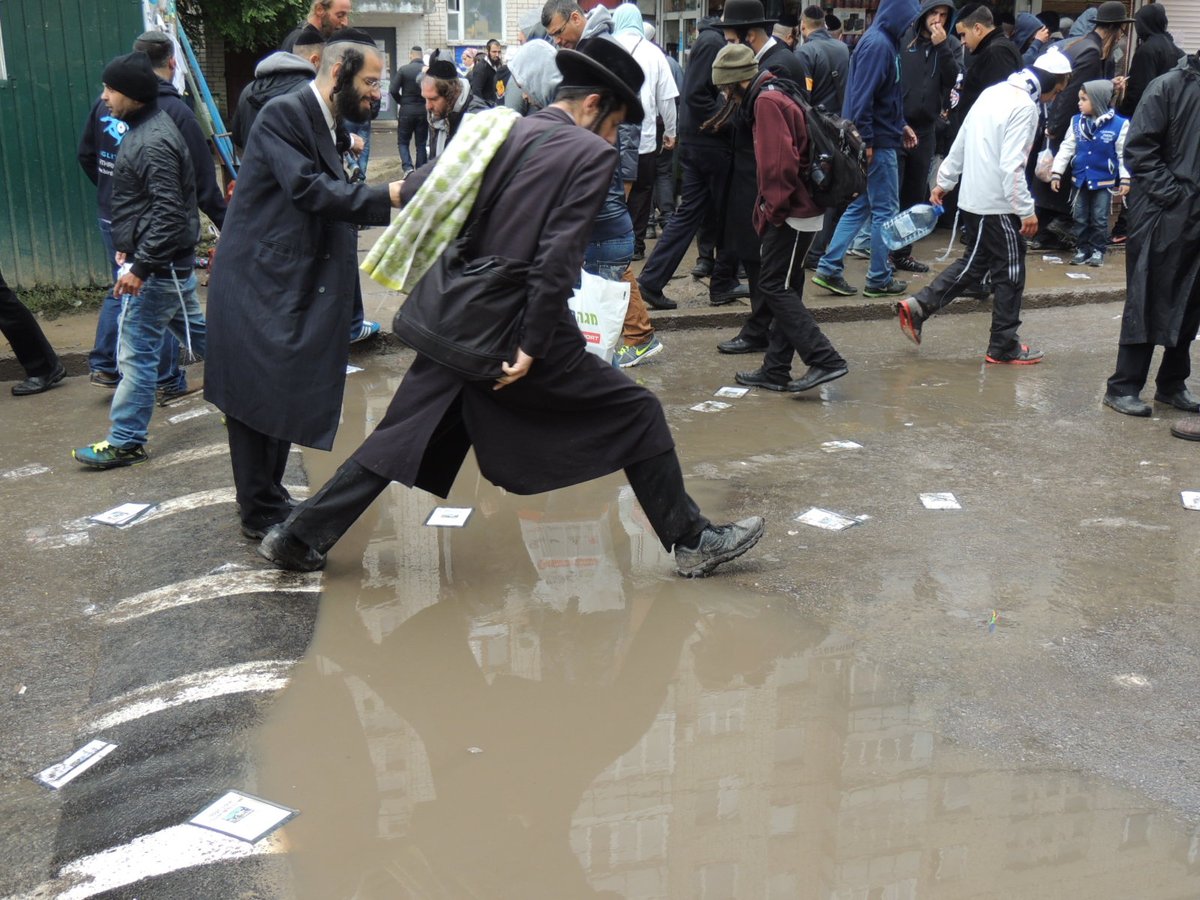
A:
(989, 155)
(875, 104)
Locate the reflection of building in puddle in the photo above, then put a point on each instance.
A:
(533, 709)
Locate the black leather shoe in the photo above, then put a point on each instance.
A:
(703, 268)
(1127, 406)
(37, 384)
(740, 345)
(815, 376)
(288, 552)
(656, 299)
(718, 544)
(759, 378)
(720, 298)
(1180, 399)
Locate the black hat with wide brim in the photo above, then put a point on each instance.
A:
(1112, 12)
(745, 14)
(601, 62)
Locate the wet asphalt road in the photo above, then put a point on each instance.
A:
(168, 638)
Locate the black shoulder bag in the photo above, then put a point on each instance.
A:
(466, 312)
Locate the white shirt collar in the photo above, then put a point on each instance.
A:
(765, 47)
(330, 122)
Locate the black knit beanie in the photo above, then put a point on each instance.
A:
(133, 76)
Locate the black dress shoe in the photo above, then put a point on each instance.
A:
(656, 299)
(1127, 406)
(740, 345)
(759, 378)
(720, 298)
(703, 268)
(288, 552)
(1180, 399)
(816, 375)
(37, 384)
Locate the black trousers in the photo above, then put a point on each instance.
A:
(996, 248)
(913, 166)
(641, 198)
(698, 205)
(664, 185)
(22, 330)
(781, 285)
(821, 241)
(258, 464)
(757, 327)
(657, 483)
(1133, 360)
(410, 127)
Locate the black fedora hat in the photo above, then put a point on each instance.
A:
(1113, 12)
(602, 62)
(745, 14)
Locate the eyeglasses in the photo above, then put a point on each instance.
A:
(558, 32)
(371, 83)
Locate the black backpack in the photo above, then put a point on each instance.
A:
(837, 171)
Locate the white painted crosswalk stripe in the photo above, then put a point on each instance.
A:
(211, 587)
(244, 678)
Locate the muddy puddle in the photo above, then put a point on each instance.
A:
(531, 706)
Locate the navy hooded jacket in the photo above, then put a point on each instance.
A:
(874, 98)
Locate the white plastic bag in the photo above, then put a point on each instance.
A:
(599, 306)
(1045, 162)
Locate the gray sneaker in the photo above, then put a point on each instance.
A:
(718, 544)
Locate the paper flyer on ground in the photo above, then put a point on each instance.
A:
(243, 816)
(835, 446)
(76, 764)
(350, 370)
(123, 514)
(449, 516)
(823, 518)
(1191, 499)
(735, 392)
(710, 406)
(940, 501)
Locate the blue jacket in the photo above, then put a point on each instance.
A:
(874, 98)
(1095, 164)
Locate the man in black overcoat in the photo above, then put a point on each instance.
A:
(558, 415)
(285, 278)
(1162, 259)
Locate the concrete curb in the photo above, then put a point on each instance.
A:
(825, 309)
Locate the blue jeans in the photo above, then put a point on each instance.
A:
(878, 204)
(1091, 219)
(103, 357)
(364, 132)
(144, 320)
(413, 127)
(609, 259)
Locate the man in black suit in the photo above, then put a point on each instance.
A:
(288, 276)
(411, 123)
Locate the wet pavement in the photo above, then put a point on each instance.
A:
(990, 701)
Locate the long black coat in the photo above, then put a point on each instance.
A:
(282, 289)
(572, 418)
(1162, 260)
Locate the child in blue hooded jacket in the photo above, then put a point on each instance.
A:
(1094, 148)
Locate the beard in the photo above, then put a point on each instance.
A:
(348, 102)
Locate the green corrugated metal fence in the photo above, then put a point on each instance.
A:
(54, 52)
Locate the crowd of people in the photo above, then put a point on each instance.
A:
(1031, 126)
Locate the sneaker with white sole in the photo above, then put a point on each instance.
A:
(631, 356)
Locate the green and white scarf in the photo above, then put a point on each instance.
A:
(433, 218)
